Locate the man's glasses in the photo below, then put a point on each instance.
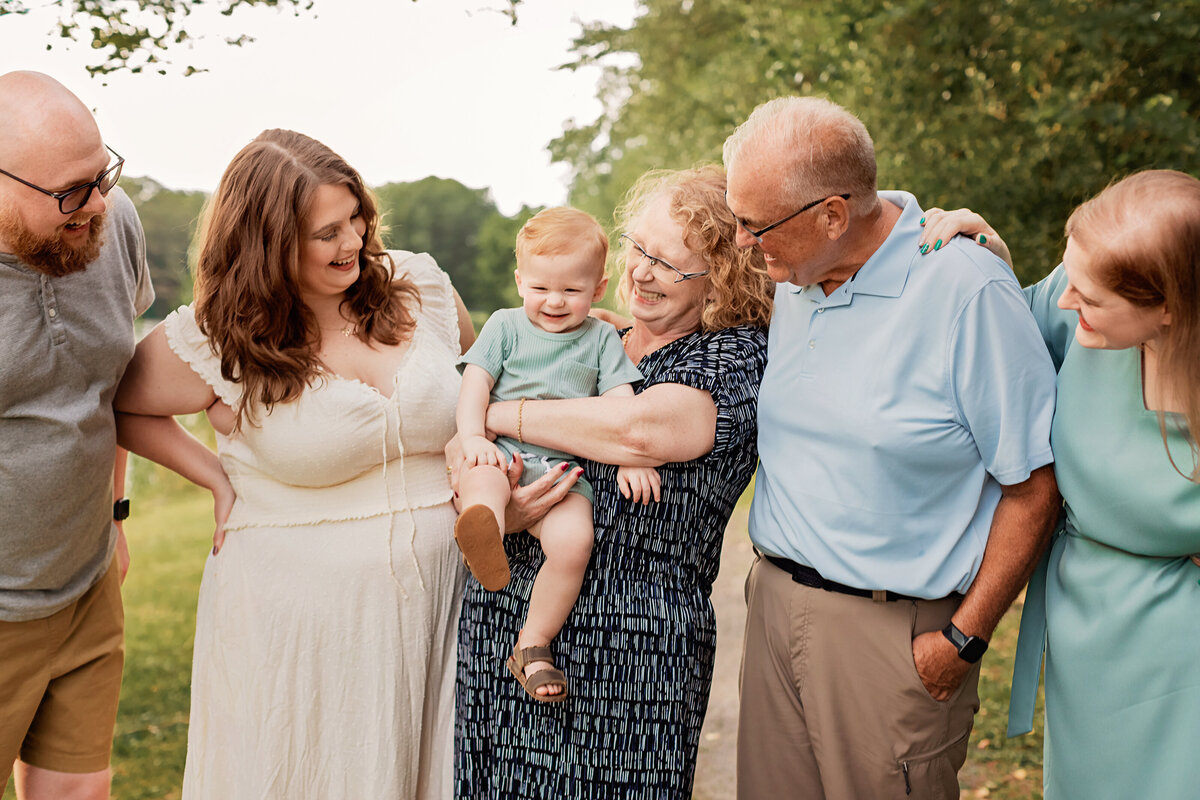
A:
(658, 265)
(758, 234)
(76, 197)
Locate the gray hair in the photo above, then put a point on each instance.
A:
(826, 149)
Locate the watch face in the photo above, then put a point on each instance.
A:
(973, 649)
(970, 648)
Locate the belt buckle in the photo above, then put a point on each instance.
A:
(879, 596)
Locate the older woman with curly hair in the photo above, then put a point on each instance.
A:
(638, 647)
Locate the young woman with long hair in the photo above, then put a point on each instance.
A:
(1117, 596)
(325, 632)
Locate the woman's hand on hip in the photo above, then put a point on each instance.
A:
(223, 498)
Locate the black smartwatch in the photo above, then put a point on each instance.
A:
(121, 510)
(970, 648)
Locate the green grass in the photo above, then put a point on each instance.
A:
(170, 535)
(997, 767)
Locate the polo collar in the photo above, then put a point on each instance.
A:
(886, 271)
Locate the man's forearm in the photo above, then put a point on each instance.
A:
(1020, 529)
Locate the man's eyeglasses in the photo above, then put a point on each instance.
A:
(758, 234)
(76, 197)
(657, 264)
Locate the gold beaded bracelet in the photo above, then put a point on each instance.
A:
(520, 414)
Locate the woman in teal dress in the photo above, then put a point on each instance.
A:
(1119, 592)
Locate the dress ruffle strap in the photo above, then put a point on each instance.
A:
(187, 341)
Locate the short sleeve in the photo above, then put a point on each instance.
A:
(1003, 382)
(130, 228)
(1056, 325)
(615, 367)
(186, 340)
(491, 349)
(728, 364)
(437, 309)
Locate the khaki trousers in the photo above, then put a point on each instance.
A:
(831, 704)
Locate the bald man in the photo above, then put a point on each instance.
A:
(73, 277)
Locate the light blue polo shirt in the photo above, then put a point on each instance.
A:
(891, 412)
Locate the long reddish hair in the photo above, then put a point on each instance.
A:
(1144, 232)
(247, 294)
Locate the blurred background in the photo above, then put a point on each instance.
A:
(469, 115)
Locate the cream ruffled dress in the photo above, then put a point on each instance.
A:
(325, 631)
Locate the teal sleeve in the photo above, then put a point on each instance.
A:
(492, 347)
(1056, 325)
(615, 366)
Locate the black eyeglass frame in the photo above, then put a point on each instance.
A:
(90, 185)
(761, 231)
(683, 276)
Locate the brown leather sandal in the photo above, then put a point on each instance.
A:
(543, 677)
(479, 539)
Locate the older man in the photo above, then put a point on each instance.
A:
(72, 278)
(904, 490)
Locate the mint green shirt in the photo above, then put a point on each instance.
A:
(528, 362)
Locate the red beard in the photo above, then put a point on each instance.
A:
(51, 255)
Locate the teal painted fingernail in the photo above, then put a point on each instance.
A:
(925, 248)
(922, 220)
(982, 239)
(938, 246)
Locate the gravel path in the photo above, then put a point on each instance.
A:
(716, 761)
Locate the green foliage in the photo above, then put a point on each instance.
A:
(1019, 110)
(461, 228)
(169, 219)
(137, 36)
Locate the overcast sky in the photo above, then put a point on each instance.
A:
(400, 89)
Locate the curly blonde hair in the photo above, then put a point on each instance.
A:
(562, 229)
(247, 294)
(740, 293)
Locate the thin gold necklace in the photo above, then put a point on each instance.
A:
(349, 329)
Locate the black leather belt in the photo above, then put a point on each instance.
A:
(807, 576)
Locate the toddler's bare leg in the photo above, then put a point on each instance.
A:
(566, 535)
(479, 530)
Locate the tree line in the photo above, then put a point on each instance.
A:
(1020, 109)
(459, 226)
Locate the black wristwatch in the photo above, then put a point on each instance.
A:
(121, 509)
(970, 648)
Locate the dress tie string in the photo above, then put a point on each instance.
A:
(385, 406)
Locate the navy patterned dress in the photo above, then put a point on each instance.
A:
(638, 648)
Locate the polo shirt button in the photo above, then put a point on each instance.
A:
(53, 313)
(812, 343)
(821, 310)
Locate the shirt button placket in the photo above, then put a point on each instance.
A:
(58, 334)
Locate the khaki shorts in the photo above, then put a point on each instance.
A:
(60, 678)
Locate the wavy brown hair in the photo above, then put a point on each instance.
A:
(1143, 234)
(741, 293)
(247, 295)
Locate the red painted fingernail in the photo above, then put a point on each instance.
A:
(579, 471)
(563, 467)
